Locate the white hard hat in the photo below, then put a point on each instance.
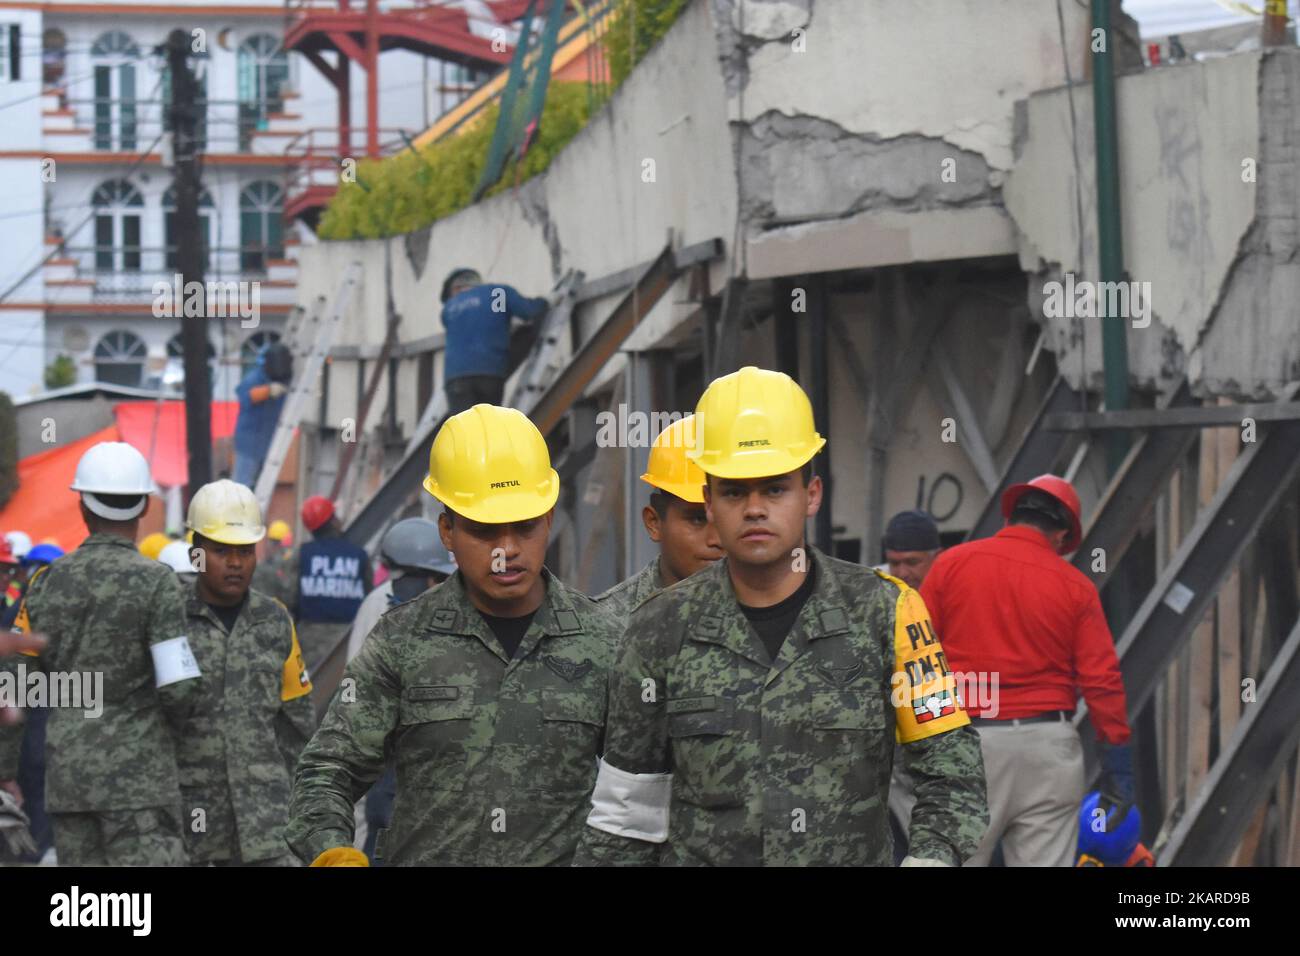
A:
(176, 556)
(113, 468)
(19, 543)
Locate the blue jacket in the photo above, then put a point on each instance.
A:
(255, 426)
(478, 337)
(333, 579)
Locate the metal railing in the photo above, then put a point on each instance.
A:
(128, 125)
(300, 8)
(131, 272)
(315, 155)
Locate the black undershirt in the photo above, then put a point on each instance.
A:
(509, 630)
(228, 614)
(773, 624)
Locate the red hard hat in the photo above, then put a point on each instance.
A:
(1062, 491)
(316, 511)
(7, 553)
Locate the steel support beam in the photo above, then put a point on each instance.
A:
(644, 397)
(684, 258)
(1038, 451)
(592, 355)
(1242, 777)
(1184, 590)
(1118, 515)
(973, 442)
(820, 389)
(726, 342)
(1192, 416)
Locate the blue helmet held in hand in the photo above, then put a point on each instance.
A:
(1103, 838)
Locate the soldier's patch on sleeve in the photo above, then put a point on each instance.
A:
(924, 691)
(296, 681)
(22, 622)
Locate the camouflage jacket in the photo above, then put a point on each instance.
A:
(495, 758)
(102, 607)
(788, 762)
(240, 744)
(622, 598)
(277, 577)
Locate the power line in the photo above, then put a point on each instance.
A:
(58, 248)
(67, 82)
(32, 271)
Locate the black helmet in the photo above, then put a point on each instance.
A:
(453, 276)
(278, 362)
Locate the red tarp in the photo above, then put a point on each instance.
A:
(45, 508)
(160, 428)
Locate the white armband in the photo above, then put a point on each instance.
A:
(631, 804)
(173, 661)
(922, 861)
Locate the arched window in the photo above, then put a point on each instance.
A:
(117, 206)
(252, 345)
(119, 358)
(263, 73)
(115, 55)
(261, 229)
(169, 225)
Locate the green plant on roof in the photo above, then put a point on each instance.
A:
(412, 189)
(636, 27)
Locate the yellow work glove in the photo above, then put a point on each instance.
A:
(341, 856)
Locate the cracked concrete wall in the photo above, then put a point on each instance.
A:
(668, 118)
(1218, 249)
(952, 71)
(845, 111)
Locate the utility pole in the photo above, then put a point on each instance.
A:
(1110, 246)
(191, 256)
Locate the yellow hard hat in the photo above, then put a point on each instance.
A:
(279, 530)
(669, 469)
(491, 464)
(226, 511)
(153, 544)
(757, 423)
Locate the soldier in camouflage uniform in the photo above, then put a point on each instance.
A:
(277, 574)
(488, 691)
(675, 519)
(255, 713)
(111, 781)
(754, 706)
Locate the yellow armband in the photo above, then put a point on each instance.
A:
(923, 689)
(296, 682)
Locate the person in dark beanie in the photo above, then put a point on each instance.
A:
(911, 544)
(476, 317)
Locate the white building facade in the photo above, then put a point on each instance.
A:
(86, 196)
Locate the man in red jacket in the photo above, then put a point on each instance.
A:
(1018, 617)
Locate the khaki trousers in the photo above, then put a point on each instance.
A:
(1035, 786)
